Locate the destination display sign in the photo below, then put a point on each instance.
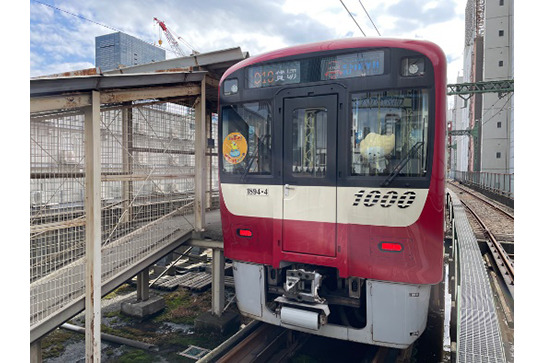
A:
(275, 74)
(352, 65)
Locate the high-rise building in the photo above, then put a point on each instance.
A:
(497, 155)
(488, 56)
(119, 50)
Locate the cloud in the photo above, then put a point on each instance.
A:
(209, 25)
(255, 26)
(413, 14)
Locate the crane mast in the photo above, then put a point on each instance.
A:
(171, 40)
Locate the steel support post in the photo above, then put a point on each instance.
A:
(142, 285)
(209, 161)
(92, 229)
(218, 281)
(36, 351)
(200, 159)
(127, 185)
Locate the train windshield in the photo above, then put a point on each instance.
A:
(247, 138)
(390, 133)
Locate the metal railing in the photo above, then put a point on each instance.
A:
(497, 183)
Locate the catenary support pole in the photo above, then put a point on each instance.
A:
(92, 229)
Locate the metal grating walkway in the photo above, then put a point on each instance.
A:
(479, 337)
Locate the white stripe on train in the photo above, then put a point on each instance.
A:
(391, 207)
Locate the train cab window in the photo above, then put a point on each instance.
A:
(247, 142)
(389, 131)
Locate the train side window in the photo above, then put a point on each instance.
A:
(389, 128)
(247, 142)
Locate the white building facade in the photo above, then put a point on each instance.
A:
(488, 56)
(498, 121)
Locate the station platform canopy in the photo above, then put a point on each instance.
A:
(176, 80)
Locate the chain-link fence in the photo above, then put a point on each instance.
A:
(147, 190)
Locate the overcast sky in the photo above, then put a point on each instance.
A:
(61, 42)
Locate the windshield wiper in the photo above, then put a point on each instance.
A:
(260, 142)
(397, 169)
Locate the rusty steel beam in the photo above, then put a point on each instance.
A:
(69, 102)
(119, 96)
(200, 164)
(80, 100)
(93, 237)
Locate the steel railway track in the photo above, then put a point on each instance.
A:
(495, 206)
(257, 342)
(501, 258)
(260, 342)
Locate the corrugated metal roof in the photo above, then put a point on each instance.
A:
(59, 85)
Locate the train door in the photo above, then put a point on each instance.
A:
(309, 169)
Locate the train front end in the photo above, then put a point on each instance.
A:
(332, 172)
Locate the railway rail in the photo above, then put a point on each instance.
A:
(493, 221)
(497, 206)
(261, 342)
(257, 342)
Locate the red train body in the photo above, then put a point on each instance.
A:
(333, 166)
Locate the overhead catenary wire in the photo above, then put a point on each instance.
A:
(78, 16)
(369, 16)
(500, 110)
(490, 109)
(349, 13)
(97, 23)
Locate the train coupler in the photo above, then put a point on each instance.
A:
(300, 305)
(302, 286)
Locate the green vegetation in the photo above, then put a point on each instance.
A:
(136, 356)
(53, 344)
(121, 290)
(182, 307)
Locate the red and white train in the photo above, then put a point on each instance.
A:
(332, 172)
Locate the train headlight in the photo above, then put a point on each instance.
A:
(230, 87)
(412, 67)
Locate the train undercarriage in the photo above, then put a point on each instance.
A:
(314, 299)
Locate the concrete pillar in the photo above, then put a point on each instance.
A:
(218, 281)
(93, 236)
(142, 285)
(36, 351)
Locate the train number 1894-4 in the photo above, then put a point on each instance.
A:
(258, 191)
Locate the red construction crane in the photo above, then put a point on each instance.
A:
(171, 40)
